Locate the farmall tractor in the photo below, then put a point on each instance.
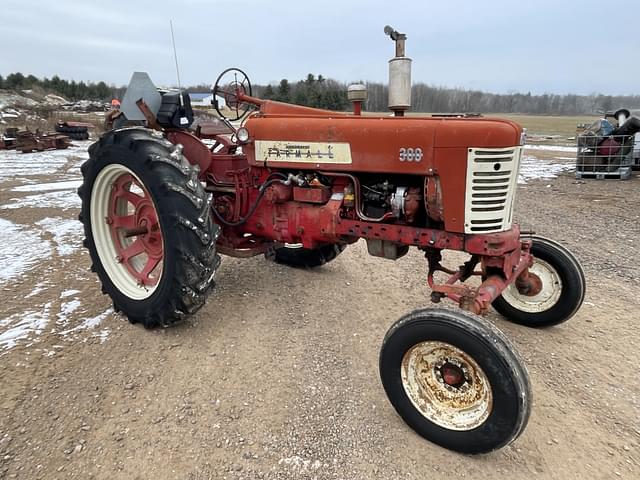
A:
(161, 202)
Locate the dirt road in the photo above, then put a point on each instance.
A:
(276, 377)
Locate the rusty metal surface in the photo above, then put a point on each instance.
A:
(460, 407)
(192, 148)
(28, 141)
(211, 129)
(433, 198)
(110, 117)
(318, 195)
(149, 116)
(478, 300)
(412, 203)
(528, 283)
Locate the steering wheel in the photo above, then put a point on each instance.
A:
(229, 84)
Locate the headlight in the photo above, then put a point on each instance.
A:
(242, 134)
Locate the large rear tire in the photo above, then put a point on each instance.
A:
(300, 257)
(562, 292)
(148, 226)
(456, 380)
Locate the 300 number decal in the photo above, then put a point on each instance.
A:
(410, 154)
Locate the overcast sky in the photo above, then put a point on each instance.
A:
(493, 45)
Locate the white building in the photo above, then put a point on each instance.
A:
(201, 100)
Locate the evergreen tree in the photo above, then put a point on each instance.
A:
(268, 93)
(284, 91)
(30, 81)
(15, 80)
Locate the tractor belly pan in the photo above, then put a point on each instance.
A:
(395, 145)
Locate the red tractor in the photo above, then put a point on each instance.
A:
(298, 184)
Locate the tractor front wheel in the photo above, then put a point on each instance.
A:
(300, 257)
(148, 226)
(561, 292)
(455, 380)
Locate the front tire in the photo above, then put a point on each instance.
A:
(148, 227)
(455, 380)
(562, 293)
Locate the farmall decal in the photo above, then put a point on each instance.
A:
(302, 152)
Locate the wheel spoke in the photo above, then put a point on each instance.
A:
(124, 221)
(133, 250)
(132, 198)
(150, 266)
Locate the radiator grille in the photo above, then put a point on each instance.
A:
(492, 176)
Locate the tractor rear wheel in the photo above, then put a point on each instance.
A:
(456, 380)
(148, 226)
(562, 291)
(301, 257)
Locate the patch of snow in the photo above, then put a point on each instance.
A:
(552, 148)
(103, 335)
(67, 234)
(23, 325)
(49, 162)
(20, 249)
(40, 287)
(12, 99)
(47, 187)
(8, 115)
(68, 293)
(66, 309)
(532, 168)
(54, 99)
(89, 323)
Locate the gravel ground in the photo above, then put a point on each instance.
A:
(276, 377)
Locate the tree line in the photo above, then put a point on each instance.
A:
(426, 98)
(317, 92)
(321, 92)
(327, 93)
(70, 90)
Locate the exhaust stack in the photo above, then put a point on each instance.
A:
(399, 75)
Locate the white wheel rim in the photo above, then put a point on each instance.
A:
(546, 298)
(463, 406)
(103, 239)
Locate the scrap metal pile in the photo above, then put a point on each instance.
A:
(27, 141)
(606, 150)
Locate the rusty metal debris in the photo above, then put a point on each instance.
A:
(27, 141)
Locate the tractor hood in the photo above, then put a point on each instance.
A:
(343, 142)
(476, 132)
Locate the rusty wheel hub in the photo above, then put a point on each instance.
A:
(452, 374)
(446, 385)
(538, 291)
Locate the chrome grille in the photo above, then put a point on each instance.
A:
(492, 176)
